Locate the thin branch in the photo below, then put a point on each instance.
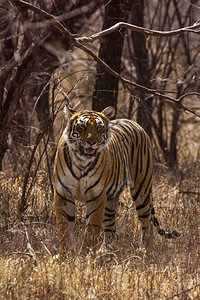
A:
(188, 94)
(69, 15)
(145, 31)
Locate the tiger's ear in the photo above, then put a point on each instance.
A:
(109, 112)
(68, 112)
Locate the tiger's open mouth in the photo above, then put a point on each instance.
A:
(89, 151)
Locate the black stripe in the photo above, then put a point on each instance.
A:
(117, 180)
(145, 215)
(114, 195)
(77, 156)
(64, 198)
(116, 169)
(136, 147)
(100, 164)
(88, 201)
(92, 165)
(62, 182)
(119, 134)
(110, 225)
(61, 165)
(145, 202)
(114, 180)
(137, 166)
(150, 190)
(141, 156)
(87, 216)
(96, 182)
(109, 230)
(111, 215)
(141, 184)
(126, 168)
(68, 217)
(143, 148)
(126, 128)
(135, 130)
(110, 210)
(68, 160)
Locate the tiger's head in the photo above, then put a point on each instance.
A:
(88, 131)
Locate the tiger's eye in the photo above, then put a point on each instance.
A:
(75, 134)
(100, 126)
(81, 126)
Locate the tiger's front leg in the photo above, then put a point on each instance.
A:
(65, 218)
(94, 219)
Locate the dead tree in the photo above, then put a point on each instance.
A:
(141, 62)
(106, 86)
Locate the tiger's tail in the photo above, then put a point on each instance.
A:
(160, 230)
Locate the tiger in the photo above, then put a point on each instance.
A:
(96, 159)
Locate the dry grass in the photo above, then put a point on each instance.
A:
(170, 271)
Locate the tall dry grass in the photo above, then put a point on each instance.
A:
(170, 270)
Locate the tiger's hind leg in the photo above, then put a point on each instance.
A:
(65, 218)
(109, 222)
(146, 213)
(144, 204)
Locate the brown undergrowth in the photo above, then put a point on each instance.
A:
(171, 269)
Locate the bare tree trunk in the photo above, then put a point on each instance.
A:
(106, 86)
(141, 61)
(10, 105)
(74, 25)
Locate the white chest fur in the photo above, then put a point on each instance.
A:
(79, 185)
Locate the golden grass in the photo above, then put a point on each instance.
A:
(170, 270)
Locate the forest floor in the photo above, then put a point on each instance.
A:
(170, 269)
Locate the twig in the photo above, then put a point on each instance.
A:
(189, 192)
(184, 291)
(48, 164)
(45, 247)
(188, 94)
(28, 245)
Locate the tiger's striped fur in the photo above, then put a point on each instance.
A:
(96, 159)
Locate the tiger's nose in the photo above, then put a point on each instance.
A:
(90, 139)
